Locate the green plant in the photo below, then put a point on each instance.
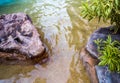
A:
(103, 9)
(110, 53)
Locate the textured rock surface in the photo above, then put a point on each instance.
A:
(89, 63)
(101, 33)
(19, 37)
(89, 56)
(97, 74)
(105, 76)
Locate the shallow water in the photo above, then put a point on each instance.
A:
(64, 33)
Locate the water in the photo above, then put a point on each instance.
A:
(10, 2)
(63, 31)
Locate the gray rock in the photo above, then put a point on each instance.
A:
(101, 33)
(19, 37)
(97, 74)
(105, 76)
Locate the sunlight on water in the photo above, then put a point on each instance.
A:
(63, 31)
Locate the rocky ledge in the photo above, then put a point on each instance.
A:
(19, 38)
(89, 57)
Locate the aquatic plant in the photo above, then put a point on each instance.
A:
(110, 53)
(102, 9)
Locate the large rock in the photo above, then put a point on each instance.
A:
(89, 56)
(101, 33)
(19, 38)
(97, 74)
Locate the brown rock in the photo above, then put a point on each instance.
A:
(89, 63)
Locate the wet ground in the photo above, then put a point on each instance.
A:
(63, 31)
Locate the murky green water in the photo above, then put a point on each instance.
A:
(64, 33)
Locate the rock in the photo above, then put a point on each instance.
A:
(101, 33)
(19, 38)
(89, 63)
(89, 56)
(97, 74)
(105, 76)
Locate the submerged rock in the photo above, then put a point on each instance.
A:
(19, 38)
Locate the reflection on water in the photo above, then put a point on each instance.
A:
(64, 33)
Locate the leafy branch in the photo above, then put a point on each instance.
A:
(102, 9)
